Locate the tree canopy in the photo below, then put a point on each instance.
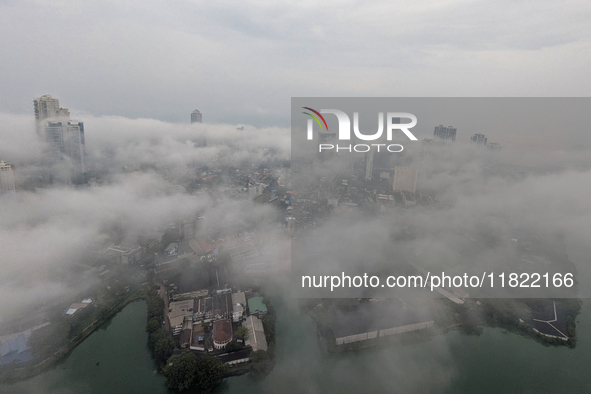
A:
(181, 371)
(210, 372)
(242, 332)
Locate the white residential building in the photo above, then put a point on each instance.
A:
(47, 107)
(7, 185)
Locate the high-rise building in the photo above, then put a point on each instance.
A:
(7, 185)
(478, 139)
(47, 107)
(54, 135)
(405, 179)
(76, 150)
(445, 133)
(196, 116)
(66, 140)
(369, 156)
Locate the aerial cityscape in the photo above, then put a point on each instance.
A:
(210, 246)
(194, 198)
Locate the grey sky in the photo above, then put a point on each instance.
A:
(240, 62)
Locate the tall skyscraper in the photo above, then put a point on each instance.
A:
(76, 150)
(369, 165)
(405, 179)
(445, 133)
(196, 116)
(478, 139)
(47, 107)
(7, 185)
(54, 135)
(66, 141)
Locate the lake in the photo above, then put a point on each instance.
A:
(115, 359)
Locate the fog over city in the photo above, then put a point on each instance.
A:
(47, 232)
(240, 62)
(49, 228)
(504, 202)
(147, 201)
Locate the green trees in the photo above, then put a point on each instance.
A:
(186, 371)
(153, 325)
(210, 373)
(162, 344)
(269, 326)
(242, 332)
(155, 305)
(47, 340)
(259, 364)
(160, 340)
(181, 371)
(232, 346)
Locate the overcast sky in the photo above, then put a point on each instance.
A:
(240, 62)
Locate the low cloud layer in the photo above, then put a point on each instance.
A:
(241, 62)
(136, 163)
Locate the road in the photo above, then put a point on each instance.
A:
(162, 293)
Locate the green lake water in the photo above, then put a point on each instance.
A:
(114, 359)
(493, 362)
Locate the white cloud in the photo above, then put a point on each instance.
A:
(240, 62)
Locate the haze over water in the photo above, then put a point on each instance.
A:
(453, 363)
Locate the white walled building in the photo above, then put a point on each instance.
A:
(47, 107)
(256, 333)
(7, 185)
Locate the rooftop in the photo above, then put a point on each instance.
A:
(178, 311)
(222, 331)
(256, 333)
(239, 298)
(185, 338)
(256, 304)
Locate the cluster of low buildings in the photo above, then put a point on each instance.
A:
(260, 253)
(208, 323)
(315, 201)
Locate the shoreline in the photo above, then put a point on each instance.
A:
(467, 327)
(25, 372)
